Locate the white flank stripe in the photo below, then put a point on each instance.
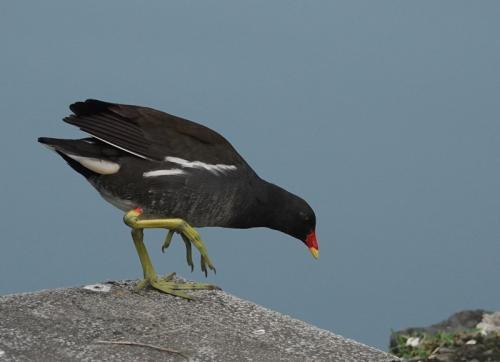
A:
(171, 172)
(198, 164)
(97, 165)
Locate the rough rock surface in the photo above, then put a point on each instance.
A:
(460, 321)
(70, 324)
(471, 335)
(490, 323)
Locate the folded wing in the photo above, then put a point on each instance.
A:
(151, 134)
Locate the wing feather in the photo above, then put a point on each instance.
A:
(148, 133)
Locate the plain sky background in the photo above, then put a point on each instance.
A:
(384, 115)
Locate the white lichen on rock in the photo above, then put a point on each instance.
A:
(413, 341)
(490, 323)
(103, 288)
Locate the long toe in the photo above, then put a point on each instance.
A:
(189, 252)
(169, 288)
(195, 286)
(178, 288)
(167, 241)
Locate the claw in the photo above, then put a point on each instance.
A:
(167, 241)
(189, 252)
(205, 261)
(203, 266)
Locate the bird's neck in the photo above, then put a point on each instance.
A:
(267, 207)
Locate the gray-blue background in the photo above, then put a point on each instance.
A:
(385, 116)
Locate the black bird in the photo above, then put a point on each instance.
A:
(168, 172)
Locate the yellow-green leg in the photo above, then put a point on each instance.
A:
(131, 218)
(164, 284)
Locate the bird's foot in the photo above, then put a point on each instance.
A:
(169, 286)
(190, 236)
(188, 233)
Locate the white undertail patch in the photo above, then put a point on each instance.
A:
(169, 172)
(215, 169)
(96, 165)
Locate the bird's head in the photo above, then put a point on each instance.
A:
(303, 227)
(292, 215)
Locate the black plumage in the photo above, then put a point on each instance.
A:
(173, 167)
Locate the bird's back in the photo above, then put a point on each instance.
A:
(168, 166)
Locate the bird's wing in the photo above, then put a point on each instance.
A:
(151, 134)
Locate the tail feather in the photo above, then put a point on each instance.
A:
(88, 156)
(89, 107)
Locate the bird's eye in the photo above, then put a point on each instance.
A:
(304, 216)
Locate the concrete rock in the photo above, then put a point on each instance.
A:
(70, 324)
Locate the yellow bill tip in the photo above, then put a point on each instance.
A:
(314, 252)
